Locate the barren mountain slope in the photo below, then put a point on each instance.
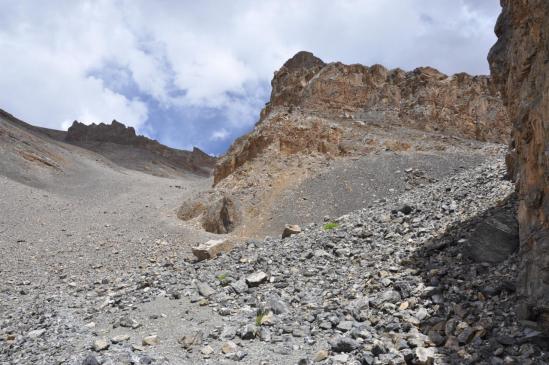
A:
(68, 215)
(40, 156)
(96, 271)
(121, 145)
(323, 119)
(29, 156)
(103, 280)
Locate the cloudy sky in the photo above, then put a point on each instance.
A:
(197, 73)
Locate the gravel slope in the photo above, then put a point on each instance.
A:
(348, 185)
(383, 287)
(84, 225)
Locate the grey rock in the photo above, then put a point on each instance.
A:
(425, 355)
(494, 239)
(256, 279)
(239, 286)
(128, 322)
(36, 333)
(195, 339)
(343, 344)
(345, 326)
(290, 230)
(277, 306)
(247, 332)
(236, 356)
(390, 296)
(405, 209)
(146, 360)
(204, 289)
(101, 344)
(90, 360)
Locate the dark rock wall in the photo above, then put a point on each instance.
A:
(89, 136)
(519, 62)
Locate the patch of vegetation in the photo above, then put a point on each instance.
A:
(330, 225)
(260, 314)
(223, 279)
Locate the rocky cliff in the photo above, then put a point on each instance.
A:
(101, 137)
(519, 63)
(335, 137)
(306, 92)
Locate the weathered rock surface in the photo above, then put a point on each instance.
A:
(519, 65)
(290, 230)
(494, 239)
(101, 137)
(115, 132)
(425, 99)
(222, 216)
(211, 249)
(323, 118)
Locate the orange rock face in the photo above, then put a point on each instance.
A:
(519, 63)
(306, 88)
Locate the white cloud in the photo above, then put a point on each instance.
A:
(46, 57)
(213, 54)
(219, 135)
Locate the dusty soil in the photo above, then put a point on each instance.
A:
(348, 185)
(92, 250)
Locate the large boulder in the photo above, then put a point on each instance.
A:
(518, 62)
(494, 239)
(222, 216)
(211, 249)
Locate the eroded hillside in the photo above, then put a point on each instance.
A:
(323, 117)
(41, 157)
(123, 146)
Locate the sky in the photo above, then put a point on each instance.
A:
(197, 73)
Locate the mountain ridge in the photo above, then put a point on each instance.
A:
(424, 99)
(323, 120)
(32, 153)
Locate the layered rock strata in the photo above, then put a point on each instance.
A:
(519, 63)
(306, 91)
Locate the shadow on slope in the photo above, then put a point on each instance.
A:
(470, 294)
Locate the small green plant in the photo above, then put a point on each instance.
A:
(330, 225)
(223, 279)
(260, 314)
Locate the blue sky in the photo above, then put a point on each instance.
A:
(197, 73)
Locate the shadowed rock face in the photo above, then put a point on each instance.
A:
(116, 132)
(519, 63)
(97, 136)
(221, 217)
(424, 99)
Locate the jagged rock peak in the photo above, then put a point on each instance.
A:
(346, 96)
(423, 98)
(303, 60)
(115, 132)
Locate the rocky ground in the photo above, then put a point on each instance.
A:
(411, 278)
(350, 184)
